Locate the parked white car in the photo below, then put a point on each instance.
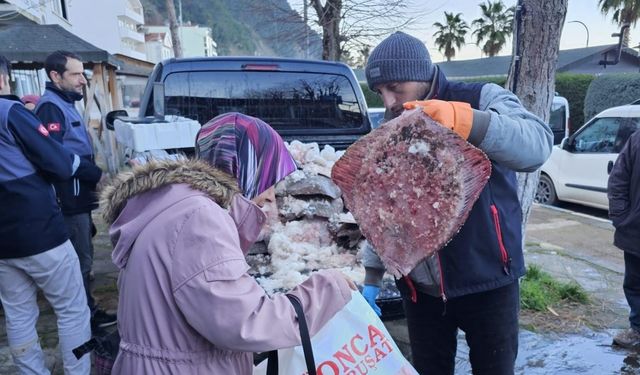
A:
(579, 167)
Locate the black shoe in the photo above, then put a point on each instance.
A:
(101, 319)
(628, 338)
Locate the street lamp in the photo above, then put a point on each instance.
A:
(585, 27)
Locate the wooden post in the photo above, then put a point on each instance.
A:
(105, 106)
(102, 147)
(115, 102)
(113, 89)
(91, 93)
(104, 141)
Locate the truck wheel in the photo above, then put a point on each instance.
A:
(546, 192)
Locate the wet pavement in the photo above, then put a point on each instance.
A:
(569, 246)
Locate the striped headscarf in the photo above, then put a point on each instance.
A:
(246, 148)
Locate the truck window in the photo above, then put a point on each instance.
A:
(285, 100)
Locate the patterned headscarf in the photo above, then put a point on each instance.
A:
(246, 148)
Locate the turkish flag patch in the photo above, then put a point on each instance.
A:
(53, 127)
(43, 130)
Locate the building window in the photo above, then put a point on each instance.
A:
(60, 8)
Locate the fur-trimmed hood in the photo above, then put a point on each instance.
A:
(155, 191)
(198, 174)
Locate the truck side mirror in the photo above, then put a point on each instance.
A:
(111, 117)
(566, 144)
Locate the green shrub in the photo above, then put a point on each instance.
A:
(611, 90)
(500, 81)
(569, 85)
(538, 290)
(372, 99)
(574, 88)
(573, 292)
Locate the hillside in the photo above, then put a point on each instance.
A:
(244, 27)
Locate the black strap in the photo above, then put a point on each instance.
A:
(272, 364)
(84, 348)
(304, 335)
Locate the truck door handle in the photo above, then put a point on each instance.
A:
(609, 166)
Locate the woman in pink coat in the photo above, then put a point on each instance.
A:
(181, 231)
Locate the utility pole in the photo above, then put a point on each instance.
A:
(306, 28)
(173, 26)
(585, 27)
(513, 87)
(180, 12)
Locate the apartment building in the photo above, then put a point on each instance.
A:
(159, 46)
(196, 40)
(114, 25)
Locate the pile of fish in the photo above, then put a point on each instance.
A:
(311, 230)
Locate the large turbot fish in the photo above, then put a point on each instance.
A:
(410, 185)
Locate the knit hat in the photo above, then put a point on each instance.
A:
(399, 58)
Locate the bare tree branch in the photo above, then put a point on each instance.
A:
(347, 26)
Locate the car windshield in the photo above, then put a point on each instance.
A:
(285, 100)
(606, 134)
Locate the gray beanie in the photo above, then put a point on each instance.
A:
(399, 58)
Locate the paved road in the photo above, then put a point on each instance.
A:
(578, 208)
(573, 245)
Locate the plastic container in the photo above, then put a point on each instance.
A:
(174, 132)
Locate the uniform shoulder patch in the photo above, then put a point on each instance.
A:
(43, 130)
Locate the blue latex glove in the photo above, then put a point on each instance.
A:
(370, 293)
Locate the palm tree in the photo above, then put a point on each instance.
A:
(624, 11)
(494, 27)
(450, 36)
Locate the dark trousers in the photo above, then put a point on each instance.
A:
(631, 287)
(79, 228)
(489, 320)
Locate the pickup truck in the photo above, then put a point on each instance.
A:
(307, 100)
(304, 100)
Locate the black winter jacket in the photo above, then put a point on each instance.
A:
(624, 196)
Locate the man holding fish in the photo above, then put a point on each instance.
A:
(472, 282)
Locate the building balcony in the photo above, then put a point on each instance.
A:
(132, 14)
(137, 52)
(126, 33)
(32, 11)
